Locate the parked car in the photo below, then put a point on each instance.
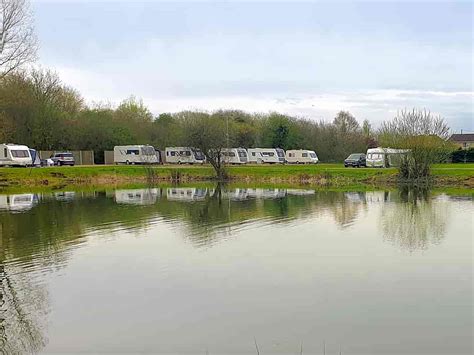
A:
(356, 160)
(47, 162)
(64, 158)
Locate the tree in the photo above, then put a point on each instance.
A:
(210, 134)
(423, 134)
(17, 40)
(345, 122)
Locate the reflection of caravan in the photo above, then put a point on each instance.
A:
(135, 154)
(65, 196)
(183, 155)
(137, 196)
(300, 192)
(266, 155)
(185, 194)
(237, 194)
(267, 193)
(21, 202)
(301, 157)
(234, 156)
(15, 155)
(384, 157)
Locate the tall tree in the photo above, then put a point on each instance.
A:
(18, 43)
(423, 134)
(346, 122)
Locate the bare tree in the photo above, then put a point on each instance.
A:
(424, 134)
(209, 134)
(18, 43)
(346, 122)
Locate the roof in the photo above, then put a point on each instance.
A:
(462, 137)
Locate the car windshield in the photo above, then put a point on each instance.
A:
(354, 156)
(64, 155)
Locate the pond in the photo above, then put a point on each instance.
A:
(220, 270)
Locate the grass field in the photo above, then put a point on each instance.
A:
(320, 174)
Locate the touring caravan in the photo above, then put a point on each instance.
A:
(15, 155)
(301, 157)
(266, 155)
(234, 156)
(384, 157)
(135, 154)
(184, 155)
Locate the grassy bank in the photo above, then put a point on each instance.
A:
(461, 175)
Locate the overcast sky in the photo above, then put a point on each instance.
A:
(309, 59)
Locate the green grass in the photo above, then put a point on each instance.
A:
(322, 174)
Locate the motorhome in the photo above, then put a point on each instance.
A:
(15, 155)
(234, 156)
(135, 154)
(266, 155)
(384, 157)
(184, 155)
(186, 194)
(301, 157)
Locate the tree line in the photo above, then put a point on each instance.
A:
(39, 110)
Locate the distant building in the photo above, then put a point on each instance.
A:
(463, 140)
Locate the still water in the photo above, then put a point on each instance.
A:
(229, 270)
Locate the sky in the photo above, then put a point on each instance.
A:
(309, 59)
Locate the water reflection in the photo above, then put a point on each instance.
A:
(415, 221)
(38, 231)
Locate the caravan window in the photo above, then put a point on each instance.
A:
(5, 152)
(173, 153)
(20, 154)
(313, 155)
(304, 155)
(148, 151)
(242, 154)
(253, 154)
(198, 155)
(133, 152)
(280, 153)
(268, 154)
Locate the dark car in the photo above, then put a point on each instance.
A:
(356, 160)
(65, 158)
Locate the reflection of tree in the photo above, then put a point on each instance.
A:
(416, 221)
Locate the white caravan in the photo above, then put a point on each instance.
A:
(184, 155)
(185, 194)
(234, 156)
(384, 157)
(135, 154)
(137, 196)
(301, 157)
(266, 155)
(15, 155)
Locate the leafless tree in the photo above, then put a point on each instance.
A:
(18, 43)
(424, 134)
